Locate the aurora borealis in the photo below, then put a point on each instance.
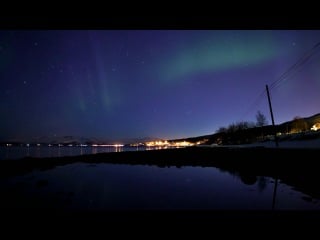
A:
(116, 84)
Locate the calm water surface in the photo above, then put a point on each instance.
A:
(121, 187)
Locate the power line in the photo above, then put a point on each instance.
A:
(285, 80)
(298, 64)
(292, 71)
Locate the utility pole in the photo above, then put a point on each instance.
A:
(277, 145)
(271, 113)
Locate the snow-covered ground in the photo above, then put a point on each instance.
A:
(312, 143)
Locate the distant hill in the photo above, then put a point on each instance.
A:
(253, 134)
(75, 140)
(58, 140)
(139, 140)
(67, 140)
(310, 121)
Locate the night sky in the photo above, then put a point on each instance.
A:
(117, 84)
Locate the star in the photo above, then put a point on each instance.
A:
(24, 82)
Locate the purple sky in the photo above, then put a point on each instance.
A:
(115, 84)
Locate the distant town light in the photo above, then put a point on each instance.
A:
(118, 145)
(107, 145)
(316, 127)
(167, 144)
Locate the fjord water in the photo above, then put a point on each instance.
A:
(104, 186)
(16, 152)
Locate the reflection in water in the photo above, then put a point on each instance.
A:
(38, 152)
(248, 179)
(170, 183)
(118, 149)
(16, 152)
(7, 153)
(103, 186)
(274, 193)
(94, 150)
(28, 152)
(59, 151)
(262, 183)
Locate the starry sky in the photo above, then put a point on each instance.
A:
(119, 84)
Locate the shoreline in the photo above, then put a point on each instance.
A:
(255, 158)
